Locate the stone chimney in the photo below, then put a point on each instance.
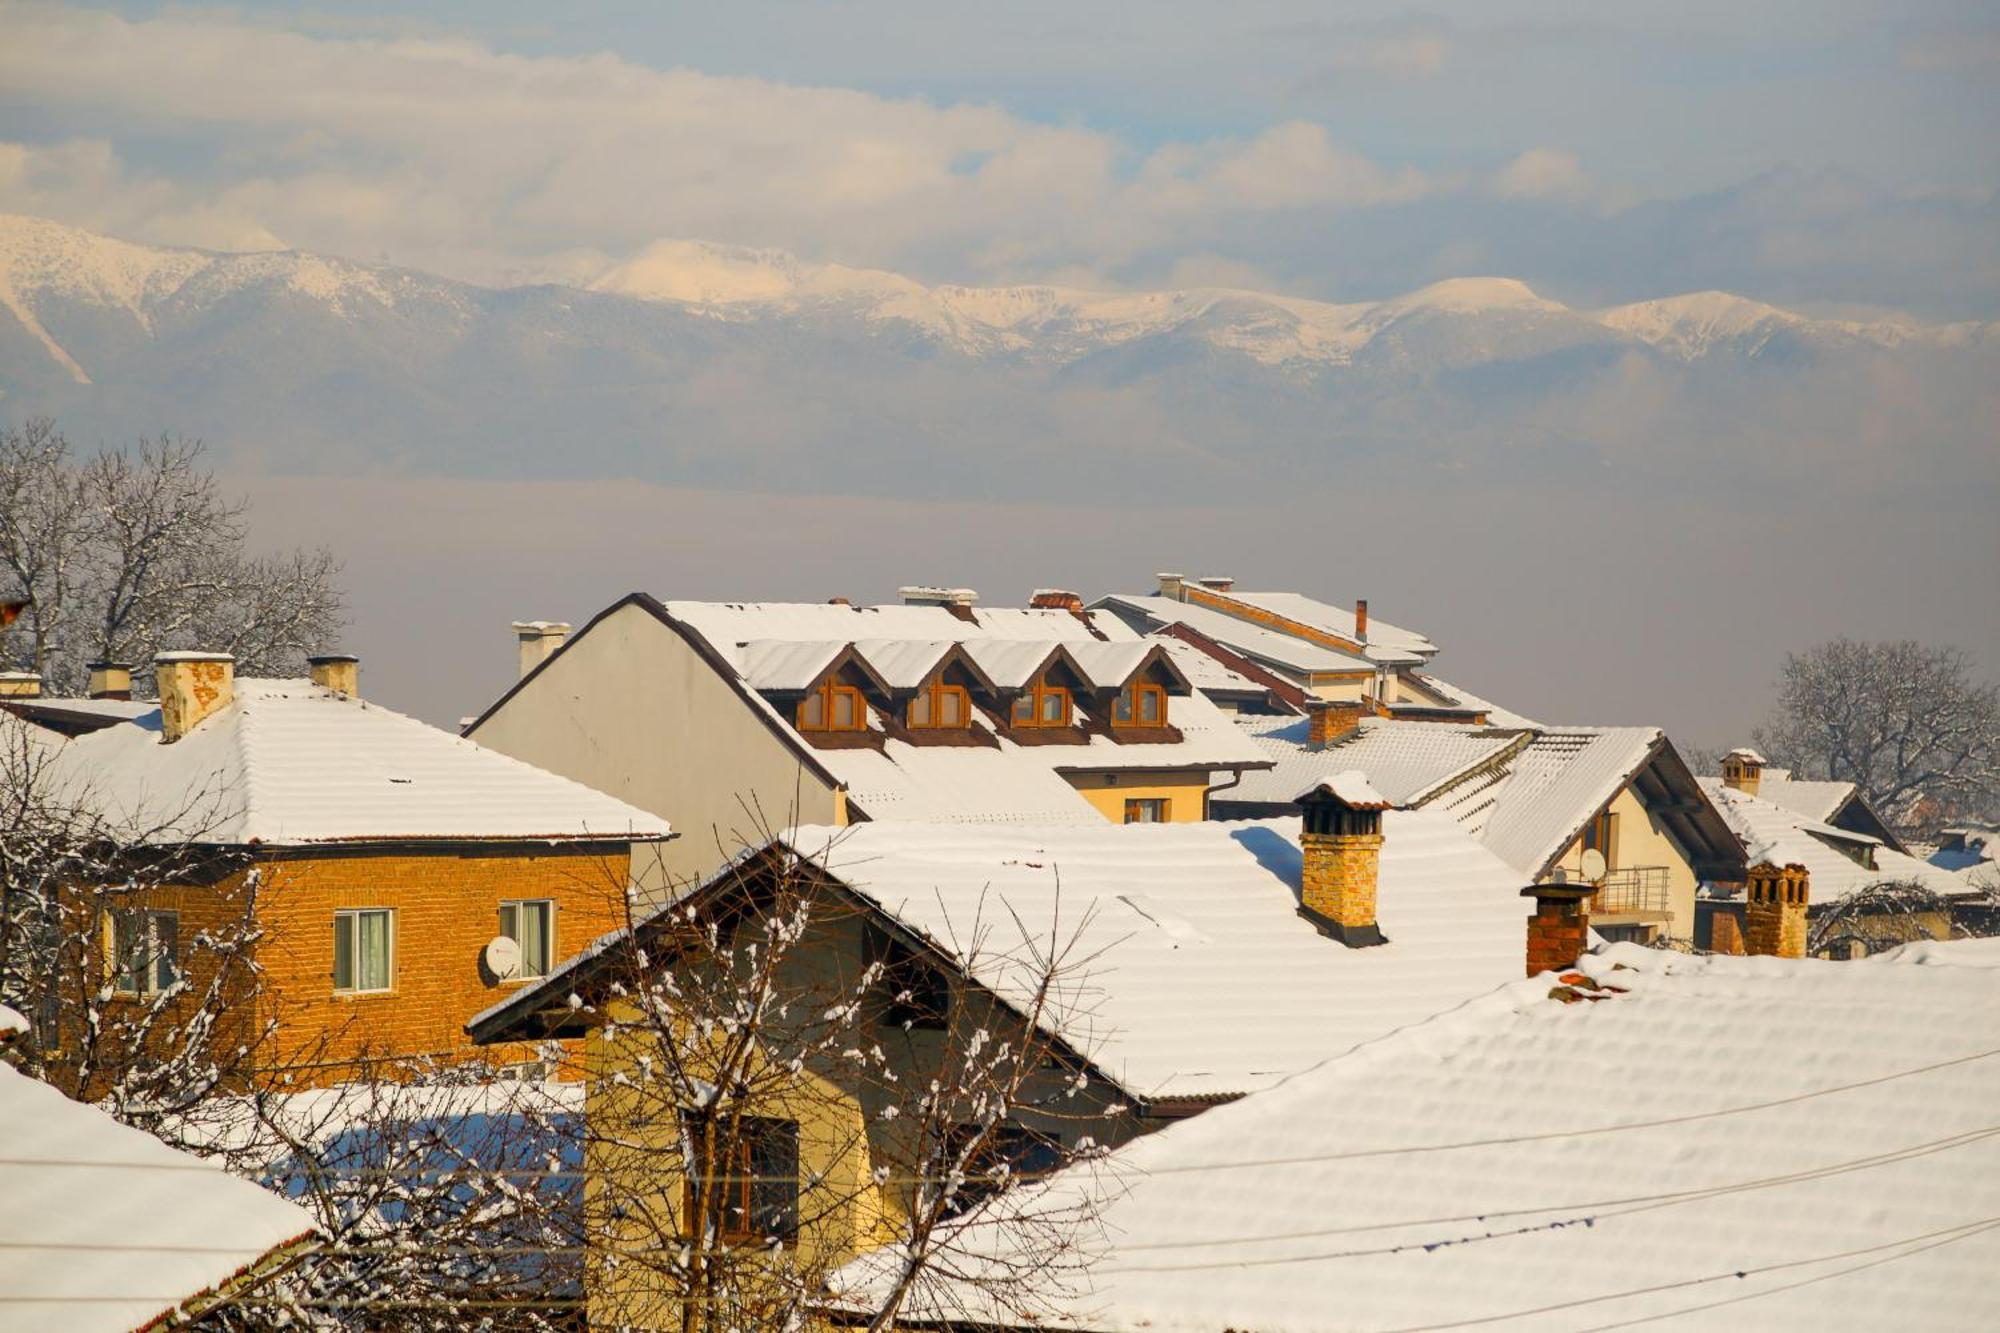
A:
(1743, 769)
(1056, 599)
(109, 680)
(1559, 931)
(539, 640)
(1361, 620)
(1217, 582)
(192, 686)
(958, 601)
(1774, 910)
(1170, 586)
(1330, 720)
(1341, 842)
(20, 685)
(338, 672)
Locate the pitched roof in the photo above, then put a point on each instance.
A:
(1752, 1142)
(105, 1227)
(1406, 761)
(1204, 980)
(1813, 799)
(1555, 784)
(1339, 620)
(1774, 833)
(288, 762)
(1261, 645)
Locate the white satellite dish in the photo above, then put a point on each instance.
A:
(502, 958)
(1593, 866)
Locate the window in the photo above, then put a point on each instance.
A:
(833, 707)
(145, 951)
(912, 992)
(1140, 704)
(532, 925)
(1042, 705)
(1147, 810)
(940, 706)
(755, 1178)
(1601, 835)
(1009, 1152)
(364, 949)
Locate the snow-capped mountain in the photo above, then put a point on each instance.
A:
(714, 364)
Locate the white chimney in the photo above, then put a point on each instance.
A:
(958, 601)
(539, 640)
(338, 672)
(192, 687)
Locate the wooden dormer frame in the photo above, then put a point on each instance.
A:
(1038, 694)
(932, 696)
(829, 696)
(1136, 701)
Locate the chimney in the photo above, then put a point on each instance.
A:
(958, 601)
(1361, 620)
(838, 601)
(109, 680)
(539, 640)
(20, 685)
(1170, 586)
(1330, 720)
(1216, 582)
(1559, 931)
(1340, 838)
(1056, 599)
(1774, 910)
(338, 672)
(192, 686)
(1743, 769)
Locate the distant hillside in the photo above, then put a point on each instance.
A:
(718, 366)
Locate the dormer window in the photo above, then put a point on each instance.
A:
(1140, 704)
(833, 707)
(939, 706)
(1042, 705)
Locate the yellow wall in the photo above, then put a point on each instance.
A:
(1185, 791)
(1642, 840)
(1338, 689)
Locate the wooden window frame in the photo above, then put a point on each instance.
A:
(120, 925)
(1036, 695)
(1126, 710)
(748, 1184)
(351, 916)
(1133, 805)
(1601, 834)
(827, 692)
(932, 697)
(515, 905)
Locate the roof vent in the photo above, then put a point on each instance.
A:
(339, 672)
(20, 685)
(109, 680)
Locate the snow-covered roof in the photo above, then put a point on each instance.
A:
(1405, 761)
(1205, 672)
(1464, 698)
(1813, 799)
(1382, 638)
(107, 1228)
(1350, 787)
(1260, 645)
(1743, 1142)
(1771, 832)
(1204, 980)
(1747, 755)
(1554, 785)
(288, 762)
(996, 780)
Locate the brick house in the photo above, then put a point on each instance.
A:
(400, 878)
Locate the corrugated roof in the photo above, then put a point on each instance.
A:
(1739, 1142)
(1208, 981)
(1814, 800)
(288, 762)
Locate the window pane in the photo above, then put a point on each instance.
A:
(774, 1167)
(844, 710)
(814, 712)
(166, 949)
(509, 924)
(534, 939)
(1121, 709)
(920, 710)
(1024, 708)
(125, 950)
(1052, 706)
(343, 951)
(951, 709)
(1149, 705)
(374, 950)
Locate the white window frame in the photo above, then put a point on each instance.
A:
(349, 918)
(548, 935)
(148, 920)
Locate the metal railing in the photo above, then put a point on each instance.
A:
(1633, 889)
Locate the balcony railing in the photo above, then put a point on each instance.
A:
(1633, 889)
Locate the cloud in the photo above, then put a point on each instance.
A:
(1542, 173)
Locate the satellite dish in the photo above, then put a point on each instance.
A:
(502, 958)
(1593, 866)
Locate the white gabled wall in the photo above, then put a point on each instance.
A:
(630, 708)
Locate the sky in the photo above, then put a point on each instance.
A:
(1832, 156)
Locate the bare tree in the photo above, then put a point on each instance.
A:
(1908, 724)
(133, 550)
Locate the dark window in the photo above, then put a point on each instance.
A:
(912, 993)
(1042, 705)
(1010, 1152)
(1140, 704)
(940, 706)
(755, 1179)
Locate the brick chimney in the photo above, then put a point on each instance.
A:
(539, 640)
(1774, 910)
(192, 686)
(1170, 586)
(1743, 769)
(1217, 582)
(109, 680)
(20, 685)
(1056, 599)
(958, 601)
(1330, 720)
(338, 672)
(1341, 841)
(1559, 931)
(1361, 620)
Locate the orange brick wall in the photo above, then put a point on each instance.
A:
(447, 908)
(1257, 615)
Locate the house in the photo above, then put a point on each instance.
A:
(388, 878)
(1613, 805)
(107, 700)
(1221, 959)
(1838, 805)
(1868, 894)
(1713, 1142)
(738, 719)
(106, 1228)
